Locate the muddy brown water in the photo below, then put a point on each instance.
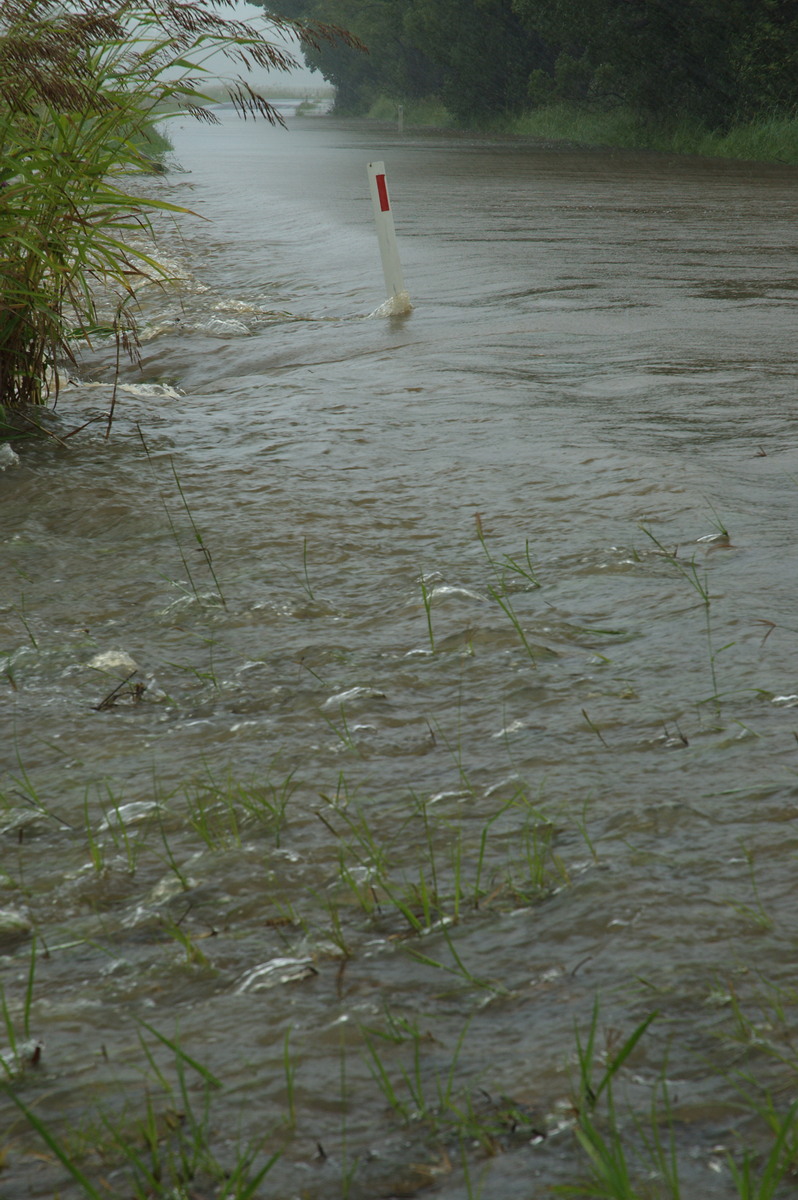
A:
(557, 760)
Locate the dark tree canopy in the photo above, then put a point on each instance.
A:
(396, 64)
(716, 61)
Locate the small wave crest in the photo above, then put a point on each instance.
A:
(395, 306)
(8, 457)
(157, 390)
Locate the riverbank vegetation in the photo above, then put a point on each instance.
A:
(81, 89)
(771, 139)
(708, 76)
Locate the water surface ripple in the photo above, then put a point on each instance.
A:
(465, 638)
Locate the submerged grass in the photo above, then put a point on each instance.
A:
(507, 862)
(404, 879)
(165, 1148)
(196, 533)
(421, 880)
(23, 1050)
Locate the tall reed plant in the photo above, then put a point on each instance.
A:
(81, 88)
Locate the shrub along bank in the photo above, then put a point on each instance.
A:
(769, 139)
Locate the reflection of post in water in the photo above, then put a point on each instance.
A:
(398, 301)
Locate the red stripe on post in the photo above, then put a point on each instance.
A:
(382, 192)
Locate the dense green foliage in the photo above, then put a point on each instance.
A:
(720, 62)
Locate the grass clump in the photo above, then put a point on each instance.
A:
(429, 112)
(770, 139)
(166, 1146)
(563, 122)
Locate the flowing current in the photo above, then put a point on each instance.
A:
(389, 698)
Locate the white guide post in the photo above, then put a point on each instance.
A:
(398, 301)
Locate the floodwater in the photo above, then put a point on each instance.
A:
(463, 685)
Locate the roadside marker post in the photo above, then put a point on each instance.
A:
(398, 301)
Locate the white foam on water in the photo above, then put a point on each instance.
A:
(151, 389)
(355, 693)
(8, 457)
(217, 327)
(276, 971)
(114, 661)
(395, 306)
(130, 814)
(157, 390)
